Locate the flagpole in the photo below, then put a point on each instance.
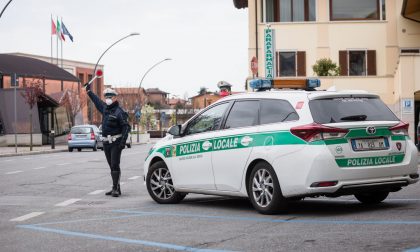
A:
(57, 34)
(51, 41)
(61, 44)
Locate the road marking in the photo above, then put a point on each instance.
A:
(27, 216)
(274, 220)
(67, 202)
(39, 168)
(27, 158)
(13, 172)
(118, 239)
(122, 183)
(63, 164)
(135, 177)
(96, 192)
(9, 160)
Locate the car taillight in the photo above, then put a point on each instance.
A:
(314, 132)
(92, 136)
(400, 129)
(69, 137)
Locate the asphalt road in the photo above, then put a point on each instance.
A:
(56, 202)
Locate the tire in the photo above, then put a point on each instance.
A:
(160, 186)
(70, 149)
(95, 147)
(262, 183)
(79, 149)
(371, 197)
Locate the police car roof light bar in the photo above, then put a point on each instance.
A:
(305, 84)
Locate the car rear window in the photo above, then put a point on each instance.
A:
(347, 109)
(81, 130)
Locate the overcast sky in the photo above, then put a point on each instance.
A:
(207, 39)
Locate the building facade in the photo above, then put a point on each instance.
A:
(376, 43)
(84, 72)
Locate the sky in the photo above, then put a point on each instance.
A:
(207, 40)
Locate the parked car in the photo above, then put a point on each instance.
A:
(128, 142)
(275, 147)
(84, 137)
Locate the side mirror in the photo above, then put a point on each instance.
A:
(175, 130)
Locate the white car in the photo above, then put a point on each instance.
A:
(277, 146)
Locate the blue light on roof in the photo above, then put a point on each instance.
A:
(261, 84)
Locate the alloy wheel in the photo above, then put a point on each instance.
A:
(262, 187)
(161, 183)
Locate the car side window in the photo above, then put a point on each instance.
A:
(243, 114)
(208, 120)
(273, 111)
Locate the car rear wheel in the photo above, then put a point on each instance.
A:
(79, 149)
(264, 190)
(70, 149)
(128, 145)
(160, 185)
(371, 197)
(95, 147)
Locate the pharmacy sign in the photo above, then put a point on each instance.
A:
(269, 53)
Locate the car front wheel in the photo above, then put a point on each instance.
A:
(160, 185)
(264, 190)
(371, 197)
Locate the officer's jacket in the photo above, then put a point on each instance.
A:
(114, 118)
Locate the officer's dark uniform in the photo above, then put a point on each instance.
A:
(115, 128)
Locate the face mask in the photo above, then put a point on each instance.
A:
(108, 101)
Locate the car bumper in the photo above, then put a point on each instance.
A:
(81, 144)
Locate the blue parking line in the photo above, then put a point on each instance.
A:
(91, 219)
(413, 250)
(118, 239)
(259, 219)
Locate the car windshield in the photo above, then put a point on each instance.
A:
(346, 109)
(81, 130)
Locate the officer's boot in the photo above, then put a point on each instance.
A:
(116, 191)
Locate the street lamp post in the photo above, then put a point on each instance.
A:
(141, 81)
(5, 8)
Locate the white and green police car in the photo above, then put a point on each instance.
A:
(277, 146)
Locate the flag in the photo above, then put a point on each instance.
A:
(53, 28)
(60, 31)
(65, 31)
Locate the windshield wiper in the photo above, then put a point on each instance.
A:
(354, 118)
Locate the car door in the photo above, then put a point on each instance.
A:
(191, 164)
(233, 144)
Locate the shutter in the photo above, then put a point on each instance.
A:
(343, 63)
(301, 63)
(371, 62)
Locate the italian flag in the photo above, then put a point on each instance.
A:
(59, 31)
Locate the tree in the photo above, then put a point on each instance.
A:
(32, 95)
(74, 103)
(325, 67)
(147, 117)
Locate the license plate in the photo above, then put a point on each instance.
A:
(81, 136)
(367, 144)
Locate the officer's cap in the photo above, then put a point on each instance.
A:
(110, 92)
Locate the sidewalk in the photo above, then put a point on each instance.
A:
(21, 151)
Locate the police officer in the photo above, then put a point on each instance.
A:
(115, 130)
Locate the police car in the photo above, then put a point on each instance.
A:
(278, 146)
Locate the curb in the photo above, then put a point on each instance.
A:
(31, 153)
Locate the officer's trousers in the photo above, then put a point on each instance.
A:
(113, 156)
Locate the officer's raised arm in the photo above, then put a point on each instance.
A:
(99, 104)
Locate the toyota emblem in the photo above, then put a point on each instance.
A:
(371, 130)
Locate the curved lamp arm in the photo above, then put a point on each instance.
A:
(5, 8)
(116, 42)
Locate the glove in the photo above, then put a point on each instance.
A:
(87, 87)
(121, 146)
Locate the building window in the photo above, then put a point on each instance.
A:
(357, 62)
(357, 10)
(288, 10)
(290, 64)
(81, 78)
